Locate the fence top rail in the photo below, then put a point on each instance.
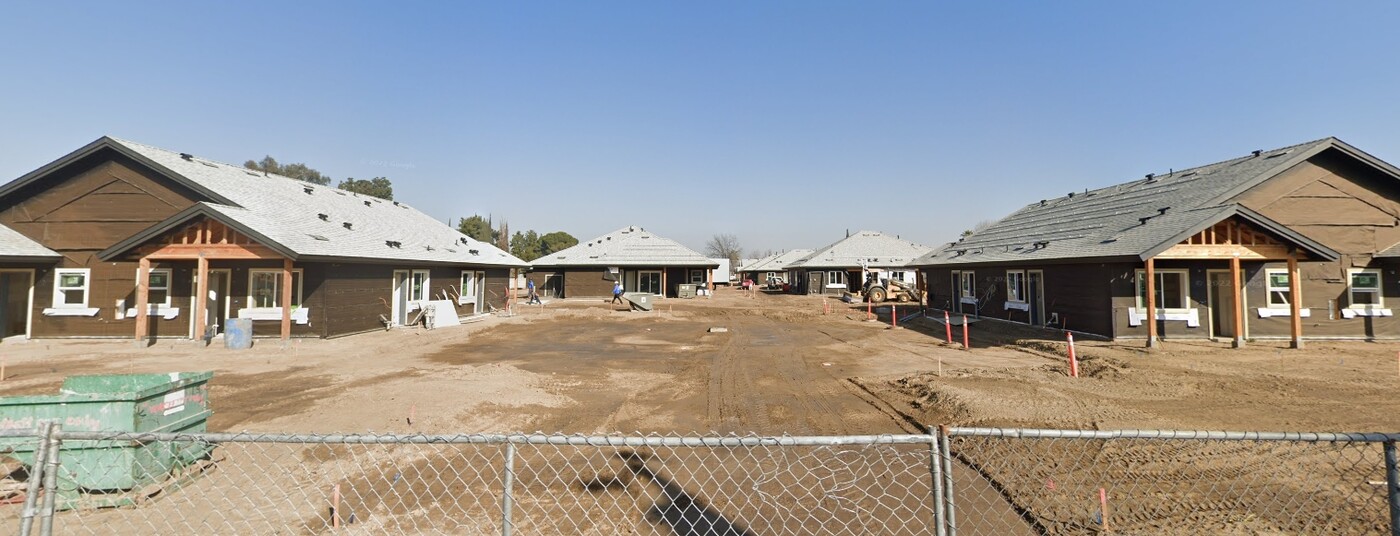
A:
(1035, 433)
(501, 439)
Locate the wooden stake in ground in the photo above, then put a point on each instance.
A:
(335, 506)
(1073, 362)
(1103, 508)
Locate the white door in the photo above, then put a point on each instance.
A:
(216, 306)
(480, 291)
(400, 301)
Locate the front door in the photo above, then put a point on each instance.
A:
(554, 286)
(216, 307)
(14, 302)
(1035, 296)
(400, 303)
(1222, 304)
(649, 282)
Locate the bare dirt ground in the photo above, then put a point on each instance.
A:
(785, 365)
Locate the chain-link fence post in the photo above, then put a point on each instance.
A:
(935, 465)
(949, 517)
(1392, 480)
(50, 479)
(507, 482)
(36, 478)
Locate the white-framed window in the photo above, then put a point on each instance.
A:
(968, 288)
(1364, 289)
(697, 277)
(1172, 286)
(158, 287)
(265, 288)
(1016, 286)
(1280, 293)
(836, 279)
(70, 288)
(897, 276)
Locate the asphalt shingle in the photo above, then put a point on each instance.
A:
(870, 248)
(628, 246)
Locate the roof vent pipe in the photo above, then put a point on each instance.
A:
(1143, 220)
(324, 217)
(1151, 176)
(187, 156)
(1163, 210)
(347, 225)
(1257, 152)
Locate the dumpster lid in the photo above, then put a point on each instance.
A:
(132, 386)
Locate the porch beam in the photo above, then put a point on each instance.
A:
(1295, 303)
(143, 284)
(1151, 304)
(286, 299)
(1261, 252)
(211, 251)
(201, 298)
(1238, 292)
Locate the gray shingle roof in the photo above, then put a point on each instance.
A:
(15, 246)
(287, 212)
(1390, 252)
(628, 246)
(875, 249)
(776, 262)
(1108, 222)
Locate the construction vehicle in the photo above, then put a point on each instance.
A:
(877, 290)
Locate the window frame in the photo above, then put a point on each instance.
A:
(967, 287)
(1016, 281)
(59, 299)
(1270, 289)
(1379, 289)
(1138, 283)
(298, 281)
(169, 283)
(831, 275)
(697, 276)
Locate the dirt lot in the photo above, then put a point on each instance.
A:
(784, 366)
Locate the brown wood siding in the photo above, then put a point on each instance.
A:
(585, 282)
(83, 209)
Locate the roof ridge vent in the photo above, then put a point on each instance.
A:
(393, 243)
(1151, 177)
(1163, 210)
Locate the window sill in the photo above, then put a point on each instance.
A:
(300, 315)
(1266, 312)
(1192, 317)
(1018, 305)
(1351, 312)
(163, 311)
(836, 286)
(70, 311)
(967, 299)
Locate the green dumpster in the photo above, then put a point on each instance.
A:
(686, 290)
(167, 403)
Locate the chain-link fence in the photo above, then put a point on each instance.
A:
(954, 481)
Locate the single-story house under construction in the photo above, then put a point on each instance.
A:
(119, 238)
(1281, 244)
(841, 266)
(642, 260)
(773, 269)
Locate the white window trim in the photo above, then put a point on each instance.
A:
(296, 292)
(1380, 290)
(1020, 290)
(427, 294)
(58, 300)
(467, 293)
(1185, 290)
(967, 285)
(1269, 288)
(697, 277)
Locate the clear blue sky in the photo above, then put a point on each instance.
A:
(784, 123)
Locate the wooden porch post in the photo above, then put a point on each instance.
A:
(1295, 303)
(143, 284)
(199, 302)
(1238, 293)
(712, 279)
(663, 281)
(286, 299)
(1151, 305)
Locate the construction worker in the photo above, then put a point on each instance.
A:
(617, 293)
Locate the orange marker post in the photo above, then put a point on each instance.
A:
(869, 312)
(1073, 362)
(826, 306)
(894, 316)
(948, 327)
(966, 345)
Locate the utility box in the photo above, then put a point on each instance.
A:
(177, 402)
(639, 300)
(685, 290)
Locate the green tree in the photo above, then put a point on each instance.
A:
(298, 171)
(526, 246)
(555, 242)
(377, 187)
(478, 228)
